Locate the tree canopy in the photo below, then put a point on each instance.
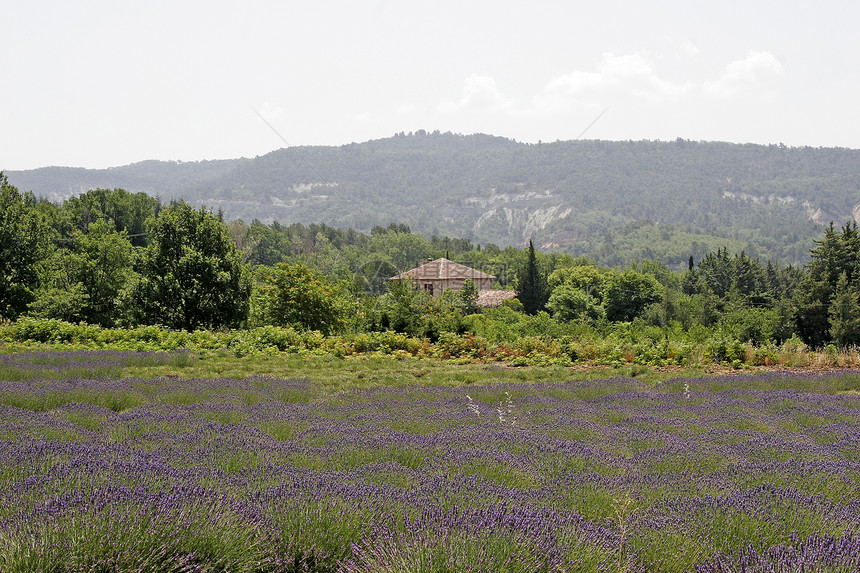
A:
(25, 240)
(191, 275)
(294, 295)
(532, 284)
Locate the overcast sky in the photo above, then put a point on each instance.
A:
(107, 83)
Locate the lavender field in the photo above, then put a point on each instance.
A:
(115, 473)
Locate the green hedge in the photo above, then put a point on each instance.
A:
(623, 344)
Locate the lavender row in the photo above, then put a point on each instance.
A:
(268, 474)
(88, 363)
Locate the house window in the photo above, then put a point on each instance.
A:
(429, 288)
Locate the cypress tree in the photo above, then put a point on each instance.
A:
(533, 291)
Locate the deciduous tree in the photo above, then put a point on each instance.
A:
(95, 266)
(568, 302)
(25, 240)
(294, 295)
(628, 293)
(191, 273)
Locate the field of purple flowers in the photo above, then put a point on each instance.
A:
(734, 473)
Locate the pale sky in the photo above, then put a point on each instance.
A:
(107, 83)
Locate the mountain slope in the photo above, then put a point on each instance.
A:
(580, 196)
(152, 177)
(561, 194)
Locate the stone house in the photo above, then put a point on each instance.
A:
(436, 276)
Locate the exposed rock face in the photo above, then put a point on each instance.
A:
(522, 222)
(495, 190)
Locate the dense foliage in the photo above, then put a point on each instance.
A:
(85, 280)
(294, 295)
(191, 275)
(612, 201)
(24, 242)
(532, 284)
(111, 258)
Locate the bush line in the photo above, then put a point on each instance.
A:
(614, 349)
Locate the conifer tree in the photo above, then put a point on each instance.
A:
(835, 260)
(844, 314)
(533, 291)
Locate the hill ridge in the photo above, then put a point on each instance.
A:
(570, 195)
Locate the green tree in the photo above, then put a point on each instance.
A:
(265, 246)
(834, 256)
(532, 284)
(125, 211)
(25, 240)
(403, 308)
(811, 319)
(568, 302)
(294, 295)
(587, 278)
(717, 272)
(844, 314)
(752, 324)
(404, 250)
(95, 266)
(191, 275)
(749, 278)
(372, 276)
(468, 297)
(628, 294)
(62, 303)
(826, 258)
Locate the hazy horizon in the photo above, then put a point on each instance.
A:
(98, 84)
(428, 131)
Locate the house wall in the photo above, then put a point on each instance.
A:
(440, 285)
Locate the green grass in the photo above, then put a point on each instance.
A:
(333, 373)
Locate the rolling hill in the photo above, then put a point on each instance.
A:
(610, 200)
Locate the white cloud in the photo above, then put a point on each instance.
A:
(689, 49)
(663, 102)
(479, 93)
(365, 117)
(628, 75)
(740, 75)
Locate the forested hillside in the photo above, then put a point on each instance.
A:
(612, 201)
(116, 259)
(155, 178)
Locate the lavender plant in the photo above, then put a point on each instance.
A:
(752, 473)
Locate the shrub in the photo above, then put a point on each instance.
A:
(452, 345)
(725, 350)
(294, 295)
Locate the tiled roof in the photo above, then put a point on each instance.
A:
(442, 269)
(494, 298)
